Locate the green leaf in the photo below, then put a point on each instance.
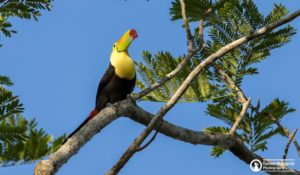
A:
(217, 151)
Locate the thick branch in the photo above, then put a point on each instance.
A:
(74, 143)
(160, 114)
(126, 107)
(227, 141)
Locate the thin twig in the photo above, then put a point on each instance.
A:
(201, 36)
(285, 130)
(240, 117)
(242, 98)
(140, 148)
(209, 60)
(297, 146)
(186, 26)
(286, 150)
(201, 28)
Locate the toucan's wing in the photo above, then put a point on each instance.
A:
(108, 75)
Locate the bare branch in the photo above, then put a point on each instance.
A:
(200, 27)
(227, 141)
(201, 36)
(286, 150)
(242, 98)
(297, 146)
(179, 92)
(187, 27)
(240, 117)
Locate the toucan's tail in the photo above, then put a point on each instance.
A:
(92, 115)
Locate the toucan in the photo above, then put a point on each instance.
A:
(118, 80)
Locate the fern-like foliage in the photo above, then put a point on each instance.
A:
(9, 104)
(158, 66)
(257, 126)
(232, 19)
(20, 140)
(24, 9)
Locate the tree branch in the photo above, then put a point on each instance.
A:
(179, 92)
(285, 130)
(129, 109)
(286, 150)
(240, 117)
(242, 98)
(186, 26)
(74, 143)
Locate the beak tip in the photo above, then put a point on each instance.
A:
(133, 33)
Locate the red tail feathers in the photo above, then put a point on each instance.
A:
(92, 115)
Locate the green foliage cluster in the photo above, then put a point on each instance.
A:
(156, 67)
(24, 9)
(20, 139)
(228, 21)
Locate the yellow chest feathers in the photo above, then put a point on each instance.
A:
(123, 64)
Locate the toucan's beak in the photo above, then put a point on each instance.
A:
(125, 41)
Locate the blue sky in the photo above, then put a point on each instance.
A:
(56, 64)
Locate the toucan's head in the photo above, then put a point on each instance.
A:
(125, 41)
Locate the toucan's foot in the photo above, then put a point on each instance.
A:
(131, 98)
(109, 105)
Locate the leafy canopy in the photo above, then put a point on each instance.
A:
(24, 9)
(20, 139)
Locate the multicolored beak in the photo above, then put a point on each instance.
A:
(125, 41)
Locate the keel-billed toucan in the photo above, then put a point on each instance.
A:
(118, 80)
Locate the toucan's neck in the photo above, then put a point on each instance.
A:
(123, 64)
